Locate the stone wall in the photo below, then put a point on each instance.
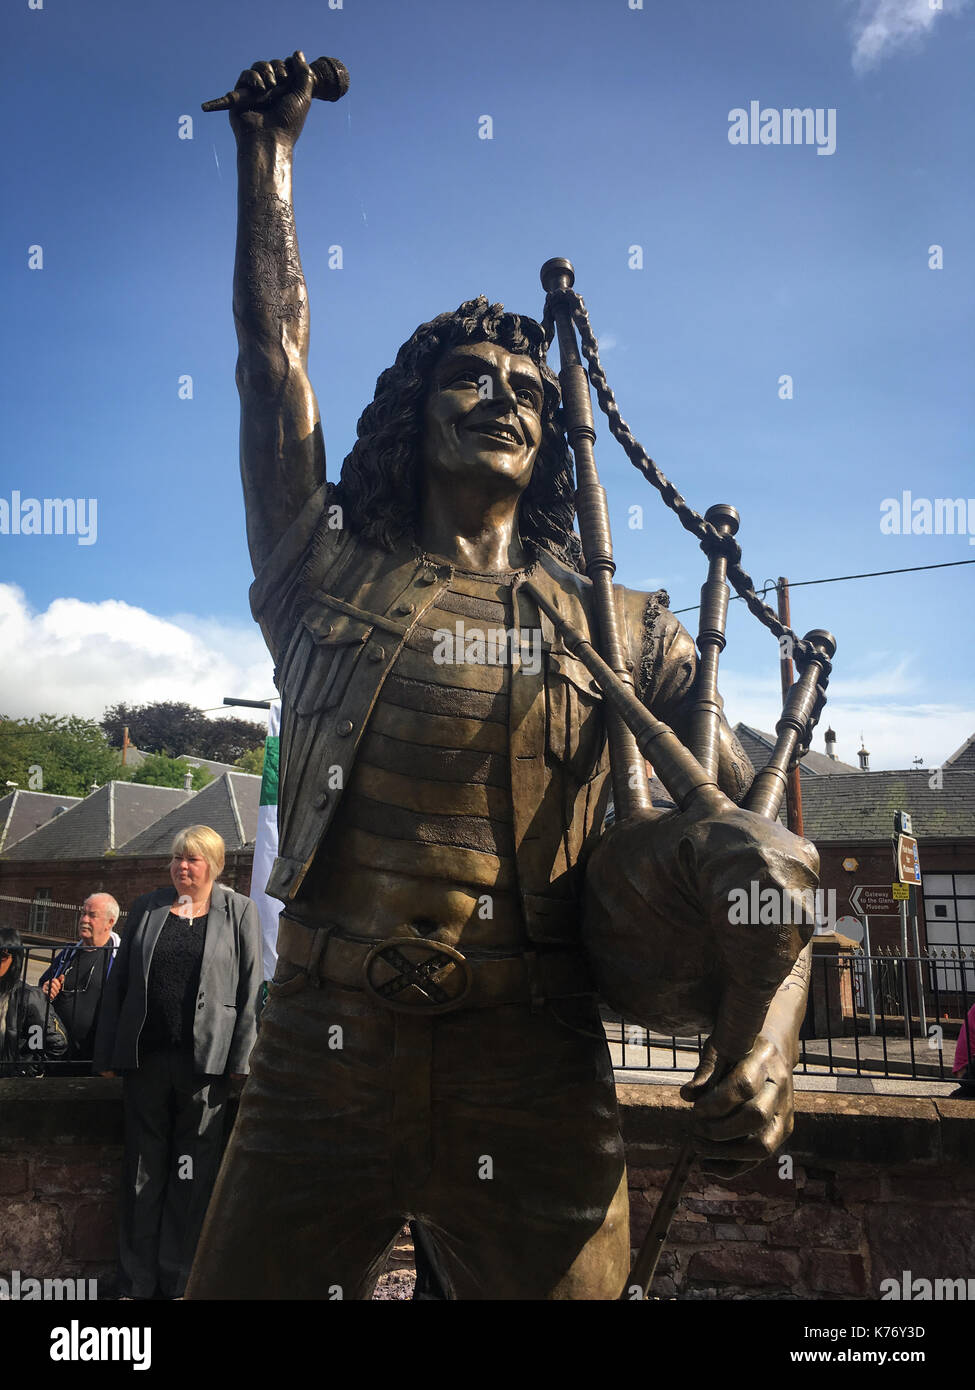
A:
(874, 1186)
(866, 1188)
(60, 1156)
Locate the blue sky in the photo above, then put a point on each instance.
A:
(610, 130)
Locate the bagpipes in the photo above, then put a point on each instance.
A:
(653, 962)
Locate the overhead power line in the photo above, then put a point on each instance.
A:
(839, 578)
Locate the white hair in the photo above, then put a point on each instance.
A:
(111, 905)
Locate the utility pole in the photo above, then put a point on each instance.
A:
(793, 791)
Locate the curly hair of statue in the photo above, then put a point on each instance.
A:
(379, 484)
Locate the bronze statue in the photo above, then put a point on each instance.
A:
(432, 1047)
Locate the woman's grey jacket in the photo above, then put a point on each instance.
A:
(225, 1021)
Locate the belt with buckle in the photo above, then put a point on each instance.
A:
(417, 975)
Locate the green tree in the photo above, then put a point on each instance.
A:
(252, 761)
(58, 753)
(165, 727)
(181, 730)
(156, 770)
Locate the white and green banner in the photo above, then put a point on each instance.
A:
(266, 847)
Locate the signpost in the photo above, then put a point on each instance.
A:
(907, 866)
(873, 900)
(908, 860)
(851, 927)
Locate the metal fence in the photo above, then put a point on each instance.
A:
(883, 1015)
(40, 916)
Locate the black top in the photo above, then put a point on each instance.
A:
(81, 991)
(173, 984)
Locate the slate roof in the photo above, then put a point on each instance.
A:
(228, 805)
(963, 758)
(862, 808)
(22, 812)
(134, 757)
(103, 821)
(759, 745)
(215, 769)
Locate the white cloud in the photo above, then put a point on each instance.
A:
(881, 26)
(78, 658)
(894, 730)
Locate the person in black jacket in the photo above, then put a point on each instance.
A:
(30, 1030)
(75, 980)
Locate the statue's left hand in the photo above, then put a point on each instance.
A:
(741, 1119)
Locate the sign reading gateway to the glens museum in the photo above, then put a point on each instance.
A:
(873, 900)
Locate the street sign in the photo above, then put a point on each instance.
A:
(908, 860)
(851, 927)
(902, 824)
(873, 900)
(901, 892)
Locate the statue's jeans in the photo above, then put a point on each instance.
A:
(497, 1128)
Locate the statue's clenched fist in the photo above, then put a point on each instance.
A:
(273, 97)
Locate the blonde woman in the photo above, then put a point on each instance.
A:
(179, 1019)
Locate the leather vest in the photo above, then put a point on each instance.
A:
(336, 625)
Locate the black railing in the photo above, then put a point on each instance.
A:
(884, 1015)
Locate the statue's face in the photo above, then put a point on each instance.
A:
(483, 416)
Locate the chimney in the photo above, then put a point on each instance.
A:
(831, 744)
(864, 757)
(188, 782)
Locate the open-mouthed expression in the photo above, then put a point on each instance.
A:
(483, 415)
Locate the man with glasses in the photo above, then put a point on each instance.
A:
(77, 976)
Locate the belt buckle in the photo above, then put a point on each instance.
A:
(416, 976)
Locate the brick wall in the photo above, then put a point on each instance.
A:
(125, 877)
(876, 865)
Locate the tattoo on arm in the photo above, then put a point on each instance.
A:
(799, 974)
(272, 267)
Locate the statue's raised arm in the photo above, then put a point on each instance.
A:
(282, 452)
